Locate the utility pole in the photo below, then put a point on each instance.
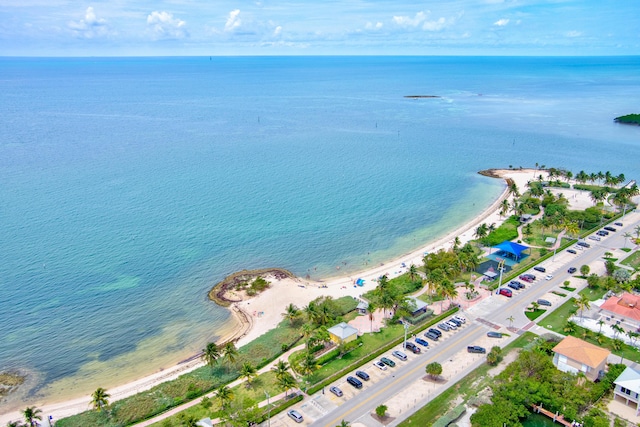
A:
(269, 409)
(406, 327)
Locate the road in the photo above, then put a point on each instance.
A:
(403, 383)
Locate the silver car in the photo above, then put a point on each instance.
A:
(295, 416)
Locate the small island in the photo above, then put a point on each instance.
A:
(629, 119)
(421, 96)
(249, 282)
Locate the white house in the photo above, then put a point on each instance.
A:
(628, 388)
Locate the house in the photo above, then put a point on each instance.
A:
(574, 355)
(625, 308)
(342, 333)
(362, 307)
(627, 388)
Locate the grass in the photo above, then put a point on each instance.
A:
(534, 314)
(556, 320)
(568, 288)
(593, 293)
(560, 294)
(632, 260)
(467, 387)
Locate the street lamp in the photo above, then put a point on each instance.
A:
(406, 327)
(268, 409)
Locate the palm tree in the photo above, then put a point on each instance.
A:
(570, 327)
(344, 423)
(287, 382)
(600, 324)
(188, 420)
(281, 368)
(211, 353)
(617, 329)
(100, 398)
(31, 414)
(230, 353)
(224, 395)
(291, 313)
(482, 231)
(413, 271)
(511, 319)
(248, 372)
(583, 303)
(504, 207)
(14, 424)
(637, 231)
(626, 236)
(371, 308)
(308, 365)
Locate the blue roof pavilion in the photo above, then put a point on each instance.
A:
(512, 248)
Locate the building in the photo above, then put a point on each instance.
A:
(342, 333)
(420, 306)
(624, 308)
(627, 388)
(574, 355)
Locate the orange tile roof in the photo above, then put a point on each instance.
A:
(582, 351)
(626, 305)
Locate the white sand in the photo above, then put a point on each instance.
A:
(266, 309)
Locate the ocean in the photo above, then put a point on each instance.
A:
(129, 186)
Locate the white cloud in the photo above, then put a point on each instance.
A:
(277, 31)
(89, 27)
(407, 22)
(437, 25)
(420, 20)
(372, 26)
(573, 33)
(164, 25)
(233, 21)
(501, 22)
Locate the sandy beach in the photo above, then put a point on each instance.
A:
(259, 314)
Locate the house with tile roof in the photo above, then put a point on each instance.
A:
(627, 389)
(342, 333)
(575, 355)
(625, 308)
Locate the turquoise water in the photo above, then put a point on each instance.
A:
(538, 420)
(130, 186)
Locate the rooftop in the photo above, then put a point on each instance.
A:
(582, 351)
(626, 305)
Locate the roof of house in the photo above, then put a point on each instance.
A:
(342, 330)
(627, 305)
(362, 305)
(582, 351)
(419, 303)
(629, 379)
(511, 247)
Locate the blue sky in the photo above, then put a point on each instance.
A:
(325, 27)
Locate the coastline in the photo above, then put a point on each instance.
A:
(268, 305)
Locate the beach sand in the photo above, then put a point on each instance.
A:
(263, 312)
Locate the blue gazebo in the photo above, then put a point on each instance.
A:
(512, 248)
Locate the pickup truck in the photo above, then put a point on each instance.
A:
(476, 349)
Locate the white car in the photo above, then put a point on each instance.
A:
(452, 325)
(460, 318)
(378, 364)
(548, 277)
(596, 238)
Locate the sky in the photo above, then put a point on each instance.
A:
(320, 27)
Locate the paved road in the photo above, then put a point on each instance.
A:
(357, 405)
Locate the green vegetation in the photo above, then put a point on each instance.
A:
(506, 231)
(9, 381)
(533, 379)
(631, 119)
(467, 388)
(632, 260)
(534, 314)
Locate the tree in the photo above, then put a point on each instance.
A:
(482, 231)
(610, 267)
(570, 327)
(583, 303)
(617, 329)
(504, 207)
(381, 411)
(281, 368)
(413, 272)
(535, 305)
(287, 382)
(434, 370)
(188, 420)
(291, 313)
(308, 365)
(230, 353)
(210, 354)
(511, 319)
(593, 280)
(224, 395)
(371, 308)
(248, 372)
(584, 270)
(14, 424)
(100, 398)
(31, 414)
(600, 324)
(494, 356)
(344, 423)
(626, 236)
(621, 275)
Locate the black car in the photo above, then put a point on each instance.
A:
(513, 286)
(435, 331)
(335, 390)
(609, 228)
(544, 302)
(354, 381)
(432, 336)
(571, 270)
(619, 224)
(363, 375)
(602, 233)
(492, 334)
(540, 268)
(572, 251)
(422, 342)
(583, 244)
(412, 347)
(476, 349)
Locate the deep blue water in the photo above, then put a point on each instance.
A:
(130, 186)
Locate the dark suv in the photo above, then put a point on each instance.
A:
(412, 347)
(354, 382)
(540, 268)
(435, 331)
(431, 335)
(609, 228)
(476, 349)
(363, 375)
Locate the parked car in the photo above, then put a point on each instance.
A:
(444, 326)
(596, 238)
(432, 336)
(571, 270)
(548, 277)
(435, 331)
(413, 348)
(388, 362)
(295, 415)
(506, 292)
(619, 224)
(363, 375)
(513, 286)
(476, 349)
(520, 285)
(354, 381)
(378, 364)
(602, 233)
(583, 244)
(608, 228)
(422, 342)
(525, 278)
(572, 251)
(540, 268)
(460, 318)
(451, 324)
(400, 355)
(335, 390)
(455, 322)
(492, 334)
(544, 302)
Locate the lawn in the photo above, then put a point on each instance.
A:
(556, 320)
(593, 293)
(467, 388)
(534, 314)
(632, 260)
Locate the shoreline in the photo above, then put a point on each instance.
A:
(269, 304)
